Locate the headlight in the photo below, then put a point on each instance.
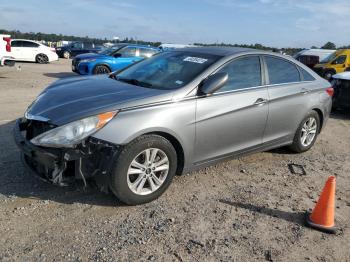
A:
(73, 133)
(87, 60)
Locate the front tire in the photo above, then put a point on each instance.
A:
(101, 69)
(41, 59)
(307, 132)
(143, 170)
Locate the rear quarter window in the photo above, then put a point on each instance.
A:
(88, 45)
(306, 76)
(147, 52)
(281, 71)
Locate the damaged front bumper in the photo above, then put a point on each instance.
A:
(61, 166)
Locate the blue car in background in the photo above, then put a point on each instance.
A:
(111, 59)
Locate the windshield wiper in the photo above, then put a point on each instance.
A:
(134, 82)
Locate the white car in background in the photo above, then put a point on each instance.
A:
(28, 50)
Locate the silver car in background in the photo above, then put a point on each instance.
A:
(170, 114)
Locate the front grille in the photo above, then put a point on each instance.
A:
(35, 128)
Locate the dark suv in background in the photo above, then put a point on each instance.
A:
(77, 48)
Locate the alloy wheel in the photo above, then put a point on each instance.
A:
(42, 59)
(148, 171)
(308, 132)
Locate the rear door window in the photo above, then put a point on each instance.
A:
(88, 45)
(16, 43)
(30, 44)
(242, 73)
(281, 71)
(306, 75)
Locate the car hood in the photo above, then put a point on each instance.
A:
(78, 97)
(89, 56)
(320, 65)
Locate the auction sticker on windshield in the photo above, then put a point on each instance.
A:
(197, 60)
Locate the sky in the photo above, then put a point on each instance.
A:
(277, 23)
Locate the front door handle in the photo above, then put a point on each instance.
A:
(260, 101)
(304, 91)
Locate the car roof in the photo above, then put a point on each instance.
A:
(217, 50)
(26, 40)
(343, 51)
(138, 45)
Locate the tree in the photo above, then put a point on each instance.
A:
(329, 45)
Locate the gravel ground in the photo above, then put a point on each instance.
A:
(248, 209)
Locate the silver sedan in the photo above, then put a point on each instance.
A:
(132, 131)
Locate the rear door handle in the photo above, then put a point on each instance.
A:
(304, 91)
(260, 101)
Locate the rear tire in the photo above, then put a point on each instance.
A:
(149, 159)
(101, 69)
(41, 59)
(306, 133)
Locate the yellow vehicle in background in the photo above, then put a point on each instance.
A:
(335, 63)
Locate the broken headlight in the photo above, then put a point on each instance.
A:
(73, 133)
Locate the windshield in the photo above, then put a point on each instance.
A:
(110, 50)
(168, 70)
(329, 58)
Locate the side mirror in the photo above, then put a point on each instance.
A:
(213, 83)
(116, 55)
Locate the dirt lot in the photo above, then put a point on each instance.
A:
(242, 210)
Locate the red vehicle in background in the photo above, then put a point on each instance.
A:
(5, 51)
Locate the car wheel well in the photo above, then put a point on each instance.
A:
(320, 114)
(102, 65)
(178, 148)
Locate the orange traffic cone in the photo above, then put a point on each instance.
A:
(322, 217)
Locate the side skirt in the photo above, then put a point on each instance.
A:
(255, 149)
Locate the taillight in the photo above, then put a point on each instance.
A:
(330, 91)
(8, 43)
